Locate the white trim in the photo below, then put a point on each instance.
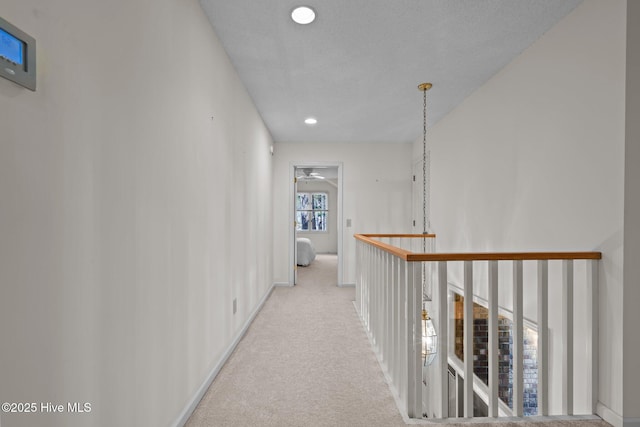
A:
(313, 210)
(197, 397)
(340, 223)
(610, 416)
(292, 209)
(292, 230)
(282, 285)
(346, 285)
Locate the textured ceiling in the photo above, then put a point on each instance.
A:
(357, 67)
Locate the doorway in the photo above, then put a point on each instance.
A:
(316, 212)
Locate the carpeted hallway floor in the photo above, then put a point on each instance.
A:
(306, 361)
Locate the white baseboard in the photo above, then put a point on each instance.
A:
(195, 400)
(282, 285)
(610, 416)
(346, 285)
(615, 419)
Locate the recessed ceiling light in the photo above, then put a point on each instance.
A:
(310, 121)
(303, 15)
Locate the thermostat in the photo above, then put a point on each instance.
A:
(17, 55)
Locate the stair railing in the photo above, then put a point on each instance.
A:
(392, 272)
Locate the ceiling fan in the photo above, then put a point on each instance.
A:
(309, 174)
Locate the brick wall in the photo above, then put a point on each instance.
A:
(505, 358)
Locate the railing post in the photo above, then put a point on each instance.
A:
(468, 339)
(567, 336)
(443, 338)
(493, 339)
(543, 337)
(518, 342)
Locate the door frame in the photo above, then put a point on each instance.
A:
(292, 216)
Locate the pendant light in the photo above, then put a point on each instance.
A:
(429, 336)
(429, 339)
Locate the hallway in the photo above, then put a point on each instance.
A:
(305, 361)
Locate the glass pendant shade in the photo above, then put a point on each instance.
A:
(429, 339)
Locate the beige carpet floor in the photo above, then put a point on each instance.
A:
(306, 361)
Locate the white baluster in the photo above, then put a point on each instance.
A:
(493, 339)
(593, 301)
(387, 312)
(443, 338)
(518, 343)
(383, 292)
(376, 306)
(402, 347)
(468, 339)
(367, 290)
(414, 341)
(543, 337)
(567, 335)
(394, 321)
(397, 303)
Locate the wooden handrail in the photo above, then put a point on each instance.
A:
(503, 256)
(415, 236)
(472, 256)
(393, 250)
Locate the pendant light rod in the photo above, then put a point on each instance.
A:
(424, 87)
(429, 335)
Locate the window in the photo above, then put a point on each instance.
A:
(312, 210)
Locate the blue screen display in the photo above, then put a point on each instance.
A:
(11, 48)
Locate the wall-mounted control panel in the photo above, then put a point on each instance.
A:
(17, 55)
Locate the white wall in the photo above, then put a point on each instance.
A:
(376, 193)
(323, 242)
(534, 160)
(631, 337)
(135, 205)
